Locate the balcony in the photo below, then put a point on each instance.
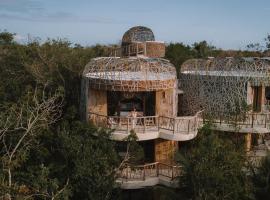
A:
(150, 127)
(249, 123)
(135, 177)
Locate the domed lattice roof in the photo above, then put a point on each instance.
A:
(138, 34)
(130, 74)
(249, 68)
(220, 86)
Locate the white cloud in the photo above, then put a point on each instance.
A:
(19, 38)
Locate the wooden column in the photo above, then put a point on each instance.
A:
(165, 150)
(248, 140)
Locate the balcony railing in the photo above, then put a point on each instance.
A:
(249, 120)
(142, 172)
(129, 50)
(181, 125)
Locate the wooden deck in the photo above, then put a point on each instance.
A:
(133, 177)
(150, 127)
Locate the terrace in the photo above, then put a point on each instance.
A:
(134, 177)
(150, 127)
(249, 123)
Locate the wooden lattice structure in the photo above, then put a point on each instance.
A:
(132, 74)
(219, 86)
(137, 34)
(136, 66)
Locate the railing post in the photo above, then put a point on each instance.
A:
(127, 125)
(188, 125)
(157, 169)
(265, 118)
(145, 48)
(144, 172)
(128, 50)
(137, 49)
(252, 120)
(127, 172)
(158, 123)
(173, 125)
(172, 172)
(144, 125)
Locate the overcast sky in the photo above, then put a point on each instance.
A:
(229, 24)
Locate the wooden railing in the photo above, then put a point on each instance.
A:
(184, 125)
(249, 120)
(142, 172)
(129, 50)
(138, 124)
(177, 125)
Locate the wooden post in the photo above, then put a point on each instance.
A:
(127, 125)
(248, 138)
(127, 172)
(173, 125)
(145, 48)
(265, 118)
(172, 172)
(157, 122)
(144, 172)
(157, 169)
(252, 120)
(188, 125)
(144, 125)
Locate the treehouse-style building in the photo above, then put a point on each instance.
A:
(136, 89)
(234, 94)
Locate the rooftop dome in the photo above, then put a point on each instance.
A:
(138, 34)
(130, 74)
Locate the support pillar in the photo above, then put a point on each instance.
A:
(248, 140)
(165, 150)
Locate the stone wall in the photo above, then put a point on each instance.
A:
(97, 101)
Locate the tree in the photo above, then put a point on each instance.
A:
(213, 169)
(19, 127)
(178, 53)
(91, 161)
(6, 38)
(203, 49)
(267, 41)
(261, 179)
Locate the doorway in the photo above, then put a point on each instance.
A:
(257, 98)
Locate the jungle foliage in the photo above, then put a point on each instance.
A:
(47, 152)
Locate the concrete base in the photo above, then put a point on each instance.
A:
(150, 181)
(240, 128)
(150, 135)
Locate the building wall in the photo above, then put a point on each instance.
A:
(218, 96)
(155, 49)
(165, 150)
(97, 101)
(251, 93)
(166, 103)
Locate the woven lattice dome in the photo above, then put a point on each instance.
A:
(219, 86)
(252, 68)
(138, 34)
(130, 74)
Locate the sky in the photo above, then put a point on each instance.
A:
(227, 24)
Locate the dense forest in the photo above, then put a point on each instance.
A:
(47, 152)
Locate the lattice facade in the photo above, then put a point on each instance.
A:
(137, 34)
(219, 86)
(132, 74)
